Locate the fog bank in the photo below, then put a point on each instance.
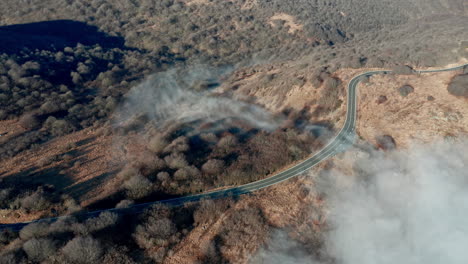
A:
(405, 206)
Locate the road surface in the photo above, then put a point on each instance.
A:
(341, 141)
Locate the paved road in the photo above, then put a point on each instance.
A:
(341, 141)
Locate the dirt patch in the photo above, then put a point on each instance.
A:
(197, 2)
(249, 4)
(288, 20)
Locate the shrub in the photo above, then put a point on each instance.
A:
(70, 205)
(386, 142)
(156, 229)
(181, 174)
(148, 163)
(193, 171)
(124, 204)
(6, 236)
(83, 69)
(76, 77)
(154, 232)
(78, 111)
(45, 161)
(329, 98)
(48, 108)
(80, 229)
(5, 195)
(382, 99)
(403, 70)
(83, 250)
(62, 225)
(138, 187)
(332, 83)
(247, 226)
(176, 161)
(29, 121)
(213, 166)
(209, 137)
(36, 201)
(163, 176)
(459, 85)
(3, 114)
(9, 259)
(227, 142)
(103, 221)
(57, 127)
(209, 210)
(128, 172)
(180, 144)
(405, 90)
(34, 230)
(39, 249)
(157, 144)
(117, 255)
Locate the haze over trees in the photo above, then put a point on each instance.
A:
(75, 81)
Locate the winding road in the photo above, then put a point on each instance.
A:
(340, 142)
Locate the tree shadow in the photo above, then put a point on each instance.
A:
(50, 175)
(78, 190)
(54, 35)
(85, 141)
(20, 142)
(34, 177)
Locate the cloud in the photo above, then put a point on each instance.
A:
(169, 97)
(405, 206)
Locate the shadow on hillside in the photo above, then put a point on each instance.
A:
(78, 190)
(53, 175)
(35, 176)
(54, 35)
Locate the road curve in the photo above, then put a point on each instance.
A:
(343, 139)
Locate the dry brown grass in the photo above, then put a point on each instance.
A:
(80, 164)
(291, 87)
(415, 117)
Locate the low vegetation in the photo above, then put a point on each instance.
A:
(405, 90)
(152, 236)
(190, 158)
(34, 199)
(459, 85)
(54, 93)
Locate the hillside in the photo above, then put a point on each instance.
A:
(107, 104)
